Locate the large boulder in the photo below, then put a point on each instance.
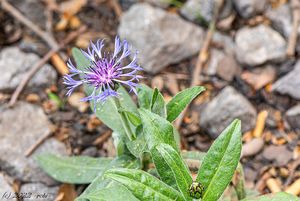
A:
(223, 109)
(290, 83)
(161, 38)
(260, 44)
(14, 64)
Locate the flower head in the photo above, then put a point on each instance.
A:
(105, 71)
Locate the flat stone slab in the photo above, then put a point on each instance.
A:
(20, 128)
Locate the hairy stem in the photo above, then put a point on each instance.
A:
(124, 119)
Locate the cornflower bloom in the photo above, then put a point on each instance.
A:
(105, 72)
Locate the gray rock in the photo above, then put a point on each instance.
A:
(20, 128)
(160, 3)
(202, 10)
(223, 109)
(32, 9)
(38, 192)
(216, 57)
(228, 68)
(290, 83)
(14, 64)
(6, 191)
(249, 8)
(281, 19)
(293, 116)
(279, 154)
(161, 38)
(257, 45)
(224, 41)
(222, 64)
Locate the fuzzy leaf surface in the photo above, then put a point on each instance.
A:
(181, 100)
(143, 185)
(220, 162)
(74, 169)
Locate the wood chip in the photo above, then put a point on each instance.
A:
(294, 188)
(260, 123)
(72, 7)
(273, 185)
(59, 64)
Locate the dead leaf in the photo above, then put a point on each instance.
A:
(72, 7)
(83, 40)
(259, 77)
(66, 193)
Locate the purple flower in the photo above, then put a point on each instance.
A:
(105, 72)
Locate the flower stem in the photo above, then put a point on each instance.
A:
(124, 120)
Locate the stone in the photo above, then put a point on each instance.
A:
(290, 83)
(224, 41)
(215, 57)
(38, 192)
(260, 44)
(160, 3)
(223, 109)
(33, 10)
(281, 19)
(252, 147)
(161, 38)
(200, 11)
(14, 64)
(279, 154)
(250, 8)
(228, 68)
(20, 128)
(6, 190)
(293, 116)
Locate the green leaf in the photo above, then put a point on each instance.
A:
(81, 61)
(75, 169)
(220, 162)
(168, 161)
(156, 129)
(133, 118)
(119, 144)
(137, 146)
(144, 96)
(100, 182)
(143, 185)
(158, 105)
(115, 192)
(181, 100)
(107, 112)
(281, 196)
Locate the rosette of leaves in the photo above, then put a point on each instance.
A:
(156, 141)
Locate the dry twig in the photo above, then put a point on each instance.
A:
(37, 144)
(295, 4)
(24, 20)
(116, 7)
(41, 62)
